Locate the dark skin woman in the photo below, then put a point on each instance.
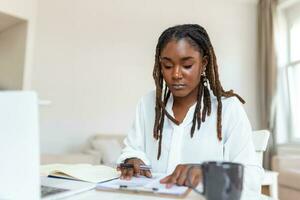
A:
(186, 63)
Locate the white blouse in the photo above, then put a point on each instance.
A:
(179, 148)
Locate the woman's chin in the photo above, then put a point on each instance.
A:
(179, 93)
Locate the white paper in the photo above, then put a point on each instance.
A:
(144, 184)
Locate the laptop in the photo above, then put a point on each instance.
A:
(19, 152)
(56, 188)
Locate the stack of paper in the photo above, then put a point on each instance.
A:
(143, 184)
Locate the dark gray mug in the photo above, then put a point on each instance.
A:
(221, 180)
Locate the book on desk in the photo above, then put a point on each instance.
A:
(82, 172)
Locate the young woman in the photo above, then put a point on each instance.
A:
(190, 118)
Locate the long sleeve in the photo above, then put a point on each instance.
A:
(135, 140)
(239, 147)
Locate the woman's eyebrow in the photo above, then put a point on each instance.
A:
(187, 58)
(166, 58)
(182, 59)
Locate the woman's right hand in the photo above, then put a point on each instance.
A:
(127, 173)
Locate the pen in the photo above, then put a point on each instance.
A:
(127, 165)
(150, 189)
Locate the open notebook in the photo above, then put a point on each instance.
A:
(83, 172)
(143, 185)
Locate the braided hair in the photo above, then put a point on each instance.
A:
(199, 39)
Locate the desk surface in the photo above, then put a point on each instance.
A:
(96, 195)
(106, 195)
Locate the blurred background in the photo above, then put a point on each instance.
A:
(90, 62)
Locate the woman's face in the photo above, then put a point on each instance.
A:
(181, 66)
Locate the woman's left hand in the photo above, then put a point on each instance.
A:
(181, 177)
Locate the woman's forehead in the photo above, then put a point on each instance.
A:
(179, 48)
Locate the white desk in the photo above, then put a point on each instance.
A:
(106, 195)
(96, 195)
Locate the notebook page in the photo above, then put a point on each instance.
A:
(45, 170)
(84, 172)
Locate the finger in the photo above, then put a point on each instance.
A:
(194, 180)
(123, 173)
(172, 179)
(147, 173)
(183, 176)
(166, 179)
(129, 174)
(198, 179)
(171, 182)
(136, 168)
(174, 176)
(142, 172)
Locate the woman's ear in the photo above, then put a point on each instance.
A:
(204, 62)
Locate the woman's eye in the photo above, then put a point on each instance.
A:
(167, 66)
(187, 66)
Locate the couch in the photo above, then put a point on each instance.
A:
(97, 150)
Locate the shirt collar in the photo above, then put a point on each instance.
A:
(188, 117)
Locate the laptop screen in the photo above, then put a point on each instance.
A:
(19, 145)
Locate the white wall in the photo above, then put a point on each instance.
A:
(12, 56)
(26, 10)
(94, 60)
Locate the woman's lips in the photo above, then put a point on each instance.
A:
(178, 86)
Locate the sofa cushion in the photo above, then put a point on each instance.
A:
(69, 159)
(290, 178)
(110, 150)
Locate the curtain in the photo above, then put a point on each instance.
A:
(267, 72)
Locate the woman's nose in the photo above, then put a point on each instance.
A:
(177, 73)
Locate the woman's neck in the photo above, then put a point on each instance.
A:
(181, 105)
(186, 101)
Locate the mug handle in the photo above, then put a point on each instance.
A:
(189, 181)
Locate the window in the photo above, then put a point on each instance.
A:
(294, 91)
(293, 69)
(295, 41)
